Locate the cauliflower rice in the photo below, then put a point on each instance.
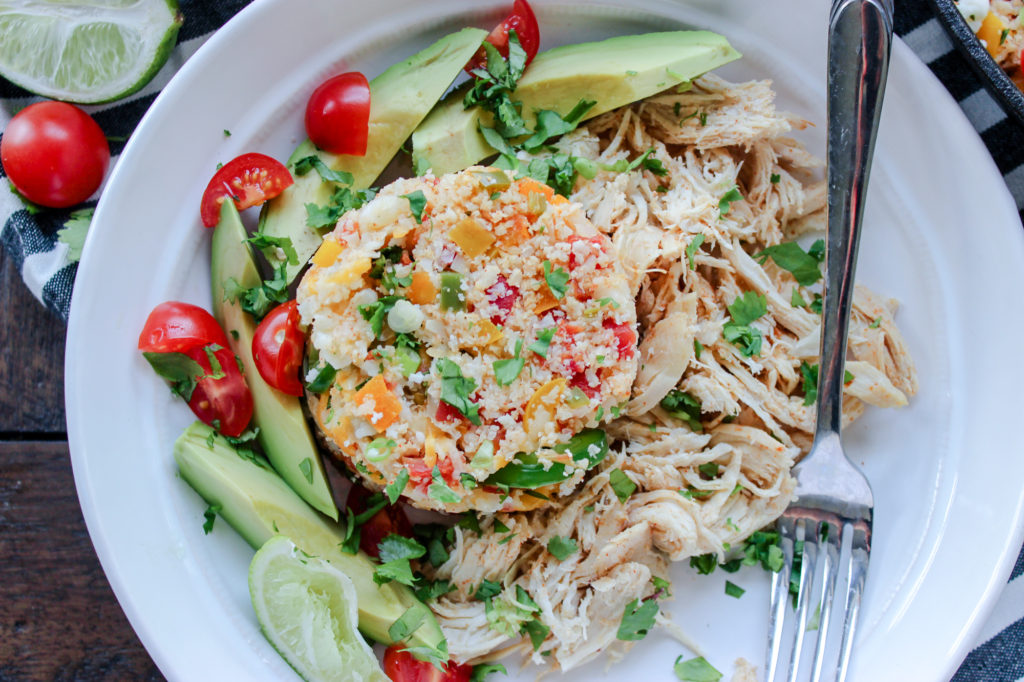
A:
(470, 319)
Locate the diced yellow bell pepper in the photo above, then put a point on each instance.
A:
(472, 237)
(327, 253)
(543, 404)
(421, 290)
(386, 405)
(991, 32)
(490, 331)
(547, 301)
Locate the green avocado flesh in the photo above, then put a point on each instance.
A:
(613, 72)
(284, 433)
(399, 99)
(259, 505)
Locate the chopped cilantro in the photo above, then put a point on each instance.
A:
(622, 485)
(725, 203)
(395, 489)
(557, 280)
(698, 348)
(815, 305)
(182, 371)
(543, 342)
(487, 589)
(269, 244)
(875, 323)
(73, 233)
(407, 623)
(637, 619)
(258, 300)
(306, 467)
(789, 256)
(562, 548)
(704, 563)
(745, 309)
(709, 469)
(439, 490)
(481, 671)
(375, 312)
(433, 589)
(810, 381)
(536, 631)
(313, 162)
(210, 515)
(507, 371)
(775, 178)
(323, 380)
(796, 300)
(457, 389)
(417, 203)
(695, 670)
(733, 590)
(703, 117)
(683, 406)
(550, 124)
(691, 249)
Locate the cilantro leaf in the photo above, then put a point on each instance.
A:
(375, 312)
(507, 371)
(733, 590)
(74, 231)
(695, 670)
(258, 300)
(543, 342)
(323, 380)
(210, 515)
(487, 589)
(637, 619)
(407, 623)
(480, 672)
(439, 490)
(704, 563)
(431, 590)
(683, 406)
(182, 371)
(394, 547)
(550, 124)
(789, 256)
(622, 485)
(562, 548)
(417, 203)
(691, 249)
(744, 310)
(269, 244)
(557, 279)
(536, 631)
(725, 203)
(395, 489)
(306, 467)
(456, 390)
(398, 571)
(313, 162)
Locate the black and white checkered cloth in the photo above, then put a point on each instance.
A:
(31, 240)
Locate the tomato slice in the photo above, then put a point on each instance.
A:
(176, 327)
(524, 23)
(338, 114)
(277, 348)
(400, 666)
(389, 520)
(224, 403)
(249, 179)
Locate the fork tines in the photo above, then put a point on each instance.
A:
(806, 535)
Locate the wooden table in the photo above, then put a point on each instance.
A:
(59, 619)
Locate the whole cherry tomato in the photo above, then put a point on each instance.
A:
(338, 114)
(248, 179)
(54, 154)
(277, 348)
(176, 327)
(524, 23)
(400, 666)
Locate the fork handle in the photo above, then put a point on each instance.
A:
(860, 37)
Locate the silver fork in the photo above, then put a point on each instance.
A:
(834, 502)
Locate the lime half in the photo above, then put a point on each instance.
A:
(307, 610)
(85, 51)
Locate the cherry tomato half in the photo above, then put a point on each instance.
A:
(54, 154)
(176, 327)
(338, 114)
(226, 402)
(277, 348)
(389, 520)
(248, 179)
(400, 666)
(524, 23)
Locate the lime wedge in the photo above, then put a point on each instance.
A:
(85, 51)
(307, 610)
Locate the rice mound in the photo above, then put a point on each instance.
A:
(471, 269)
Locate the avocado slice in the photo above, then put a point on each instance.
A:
(284, 433)
(259, 505)
(399, 99)
(613, 72)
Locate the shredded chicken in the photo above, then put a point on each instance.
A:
(703, 483)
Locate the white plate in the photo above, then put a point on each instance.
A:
(943, 236)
